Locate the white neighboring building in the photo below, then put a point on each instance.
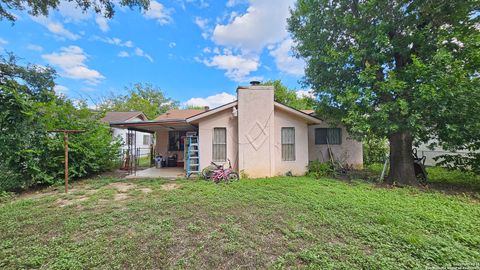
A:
(430, 154)
(143, 140)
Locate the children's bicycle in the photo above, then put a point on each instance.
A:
(218, 173)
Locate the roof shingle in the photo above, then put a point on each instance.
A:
(113, 117)
(178, 114)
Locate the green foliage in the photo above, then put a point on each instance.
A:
(29, 154)
(319, 169)
(289, 97)
(145, 98)
(375, 149)
(42, 7)
(394, 67)
(468, 163)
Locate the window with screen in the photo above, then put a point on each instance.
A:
(219, 144)
(328, 136)
(288, 144)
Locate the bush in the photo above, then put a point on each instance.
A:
(466, 163)
(319, 169)
(32, 156)
(375, 149)
(29, 154)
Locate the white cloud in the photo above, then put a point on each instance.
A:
(34, 47)
(128, 44)
(60, 89)
(158, 12)
(198, 3)
(123, 54)
(284, 59)
(201, 22)
(237, 67)
(172, 44)
(260, 26)
(305, 93)
(231, 3)
(71, 61)
(102, 23)
(211, 101)
(3, 41)
(115, 41)
(140, 52)
(71, 12)
(203, 25)
(55, 27)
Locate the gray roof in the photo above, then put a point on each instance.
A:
(113, 117)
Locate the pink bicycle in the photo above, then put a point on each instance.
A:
(218, 173)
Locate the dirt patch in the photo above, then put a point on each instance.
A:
(169, 186)
(120, 197)
(122, 186)
(36, 194)
(145, 190)
(115, 174)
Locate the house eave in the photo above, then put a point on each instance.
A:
(211, 112)
(311, 120)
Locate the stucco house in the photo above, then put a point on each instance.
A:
(260, 137)
(143, 140)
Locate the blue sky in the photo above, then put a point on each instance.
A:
(196, 51)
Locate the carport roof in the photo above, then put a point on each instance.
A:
(154, 125)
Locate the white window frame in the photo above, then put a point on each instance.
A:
(217, 143)
(288, 144)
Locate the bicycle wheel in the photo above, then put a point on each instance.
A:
(232, 177)
(207, 172)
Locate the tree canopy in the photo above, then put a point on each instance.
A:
(43, 7)
(406, 70)
(289, 96)
(146, 98)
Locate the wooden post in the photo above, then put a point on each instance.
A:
(65, 146)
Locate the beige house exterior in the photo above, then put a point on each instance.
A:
(261, 137)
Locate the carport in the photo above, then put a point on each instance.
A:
(169, 139)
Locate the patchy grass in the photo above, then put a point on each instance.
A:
(284, 222)
(144, 161)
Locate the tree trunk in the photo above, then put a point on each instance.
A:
(401, 160)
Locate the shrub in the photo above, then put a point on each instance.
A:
(466, 163)
(29, 155)
(319, 169)
(375, 149)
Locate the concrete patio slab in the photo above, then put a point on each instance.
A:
(170, 173)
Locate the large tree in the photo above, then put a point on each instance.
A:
(146, 98)
(404, 69)
(42, 7)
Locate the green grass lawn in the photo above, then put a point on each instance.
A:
(442, 178)
(284, 222)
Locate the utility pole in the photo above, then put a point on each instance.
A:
(65, 146)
